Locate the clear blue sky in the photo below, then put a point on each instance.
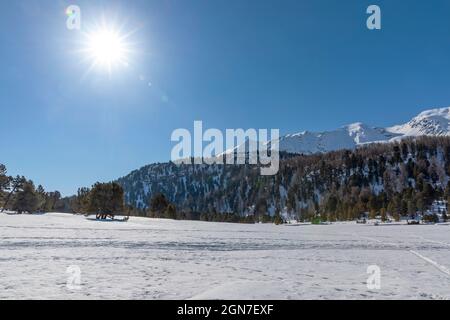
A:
(294, 65)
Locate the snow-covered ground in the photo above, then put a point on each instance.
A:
(164, 259)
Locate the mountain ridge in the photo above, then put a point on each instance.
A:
(434, 122)
(344, 161)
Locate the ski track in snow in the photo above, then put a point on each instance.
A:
(434, 263)
(430, 261)
(166, 259)
(433, 241)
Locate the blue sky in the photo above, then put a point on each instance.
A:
(294, 65)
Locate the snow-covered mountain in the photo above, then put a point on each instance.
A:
(418, 168)
(435, 122)
(305, 181)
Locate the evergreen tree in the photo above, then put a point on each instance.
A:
(278, 219)
(412, 208)
(15, 184)
(170, 212)
(82, 202)
(106, 199)
(4, 184)
(53, 202)
(26, 199)
(158, 204)
(42, 198)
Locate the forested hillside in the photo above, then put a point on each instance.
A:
(388, 178)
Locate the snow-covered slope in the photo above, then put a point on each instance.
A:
(347, 137)
(435, 122)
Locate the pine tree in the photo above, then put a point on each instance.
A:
(53, 201)
(170, 212)
(158, 204)
(26, 199)
(4, 184)
(412, 208)
(15, 184)
(42, 198)
(106, 199)
(278, 219)
(81, 204)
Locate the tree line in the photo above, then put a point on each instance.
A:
(103, 199)
(388, 180)
(20, 195)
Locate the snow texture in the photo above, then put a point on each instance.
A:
(166, 259)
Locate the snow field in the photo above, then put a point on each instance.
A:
(165, 259)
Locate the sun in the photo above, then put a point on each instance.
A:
(106, 48)
(107, 45)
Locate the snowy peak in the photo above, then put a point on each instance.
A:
(313, 142)
(347, 137)
(439, 112)
(362, 133)
(435, 122)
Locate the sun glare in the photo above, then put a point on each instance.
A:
(106, 48)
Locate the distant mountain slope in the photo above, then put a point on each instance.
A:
(305, 181)
(435, 122)
(403, 175)
(347, 137)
